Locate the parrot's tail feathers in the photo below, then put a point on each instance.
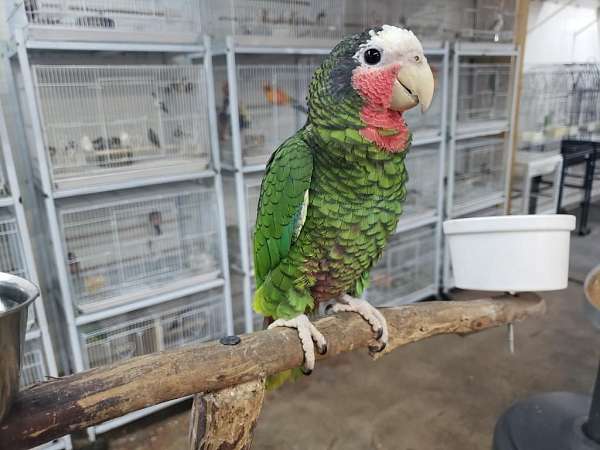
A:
(275, 381)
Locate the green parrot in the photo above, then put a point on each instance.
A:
(332, 193)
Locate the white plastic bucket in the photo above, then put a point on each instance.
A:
(510, 253)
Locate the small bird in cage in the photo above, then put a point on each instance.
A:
(155, 219)
(153, 138)
(497, 25)
(160, 103)
(277, 96)
(223, 122)
(180, 86)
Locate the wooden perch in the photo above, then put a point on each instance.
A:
(55, 408)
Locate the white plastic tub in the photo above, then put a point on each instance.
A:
(510, 253)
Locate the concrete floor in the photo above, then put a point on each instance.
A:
(443, 393)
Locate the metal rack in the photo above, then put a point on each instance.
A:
(126, 169)
(16, 257)
(261, 103)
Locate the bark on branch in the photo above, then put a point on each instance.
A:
(55, 408)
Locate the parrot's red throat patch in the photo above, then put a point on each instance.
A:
(384, 127)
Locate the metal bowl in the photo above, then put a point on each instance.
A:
(16, 294)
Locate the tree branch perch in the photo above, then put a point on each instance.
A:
(58, 407)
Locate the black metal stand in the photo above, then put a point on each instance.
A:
(552, 421)
(575, 153)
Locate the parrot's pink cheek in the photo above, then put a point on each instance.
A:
(375, 85)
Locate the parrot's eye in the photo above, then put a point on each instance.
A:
(417, 58)
(372, 56)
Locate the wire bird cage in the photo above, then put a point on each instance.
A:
(407, 266)
(319, 23)
(33, 369)
(478, 169)
(427, 125)
(12, 257)
(172, 21)
(128, 121)
(272, 107)
(237, 296)
(193, 319)
(422, 165)
(251, 193)
(124, 246)
(559, 101)
(483, 94)
(487, 20)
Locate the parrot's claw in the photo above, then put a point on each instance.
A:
(370, 314)
(307, 333)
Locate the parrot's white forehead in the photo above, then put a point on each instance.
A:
(394, 40)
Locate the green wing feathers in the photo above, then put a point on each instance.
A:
(280, 211)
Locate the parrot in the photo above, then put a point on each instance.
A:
(333, 192)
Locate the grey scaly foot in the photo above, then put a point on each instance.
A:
(307, 333)
(370, 314)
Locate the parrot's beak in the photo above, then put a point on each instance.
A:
(413, 85)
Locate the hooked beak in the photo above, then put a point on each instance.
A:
(413, 85)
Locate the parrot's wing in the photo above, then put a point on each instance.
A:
(281, 205)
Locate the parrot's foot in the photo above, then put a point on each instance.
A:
(307, 333)
(370, 314)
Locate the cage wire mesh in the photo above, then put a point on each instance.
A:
(179, 18)
(559, 101)
(33, 368)
(103, 120)
(272, 107)
(488, 20)
(483, 93)
(192, 319)
(120, 246)
(12, 257)
(406, 266)
(422, 165)
(478, 169)
(286, 22)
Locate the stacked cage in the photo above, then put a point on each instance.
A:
(130, 21)
(127, 174)
(16, 256)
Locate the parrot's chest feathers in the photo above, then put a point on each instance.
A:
(353, 208)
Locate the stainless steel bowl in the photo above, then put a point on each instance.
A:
(16, 294)
(591, 310)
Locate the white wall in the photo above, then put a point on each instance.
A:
(553, 32)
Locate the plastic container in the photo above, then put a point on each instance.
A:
(510, 253)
